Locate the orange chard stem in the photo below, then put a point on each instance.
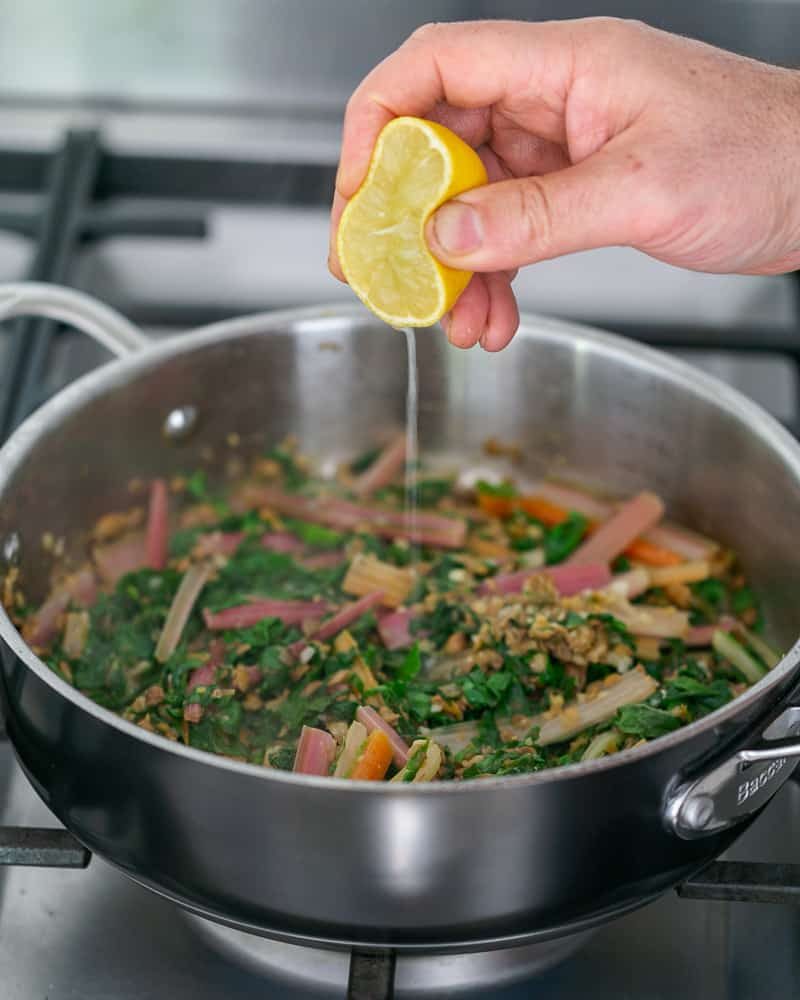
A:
(654, 555)
(547, 512)
(550, 513)
(375, 759)
(544, 510)
(496, 506)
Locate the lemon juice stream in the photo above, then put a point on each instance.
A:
(412, 443)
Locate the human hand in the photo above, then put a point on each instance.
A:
(594, 133)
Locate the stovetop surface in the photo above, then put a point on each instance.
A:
(95, 935)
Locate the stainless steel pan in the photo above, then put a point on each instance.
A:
(447, 865)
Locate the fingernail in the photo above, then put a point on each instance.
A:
(483, 340)
(445, 322)
(457, 228)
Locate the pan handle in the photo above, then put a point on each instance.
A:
(98, 321)
(741, 785)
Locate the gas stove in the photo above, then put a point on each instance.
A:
(175, 241)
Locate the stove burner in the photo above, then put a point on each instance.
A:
(368, 975)
(371, 975)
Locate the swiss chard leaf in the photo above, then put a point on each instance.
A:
(443, 621)
(488, 734)
(505, 489)
(712, 591)
(562, 539)
(265, 633)
(597, 671)
(124, 628)
(298, 710)
(616, 628)
(316, 535)
(228, 715)
(645, 722)
(507, 760)
(411, 665)
(183, 541)
(343, 711)
(482, 691)
(255, 570)
(293, 475)
(745, 600)
(363, 461)
(555, 676)
(439, 576)
(698, 696)
(427, 492)
(419, 703)
(274, 672)
(430, 491)
(282, 758)
(197, 487)
(710, 600)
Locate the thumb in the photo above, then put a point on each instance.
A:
(501, 226)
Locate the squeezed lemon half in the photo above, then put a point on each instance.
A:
(416, 165)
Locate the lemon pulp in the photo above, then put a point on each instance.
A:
(416, 166)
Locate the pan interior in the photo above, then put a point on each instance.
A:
(581, 406)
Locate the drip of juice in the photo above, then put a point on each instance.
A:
(412, 442)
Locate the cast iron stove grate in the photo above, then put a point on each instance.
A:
(74, 186)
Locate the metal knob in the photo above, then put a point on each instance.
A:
(11, 549)
(180, 422)
(698, 812)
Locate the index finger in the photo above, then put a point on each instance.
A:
(468, 65)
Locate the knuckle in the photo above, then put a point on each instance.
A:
(622, 27)
(617, 34)
(426, 32)
(535, 216)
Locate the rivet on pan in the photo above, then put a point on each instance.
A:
(180, 422)
(698, 812)
(11, 547)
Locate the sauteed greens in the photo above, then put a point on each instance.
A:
(309, 624)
